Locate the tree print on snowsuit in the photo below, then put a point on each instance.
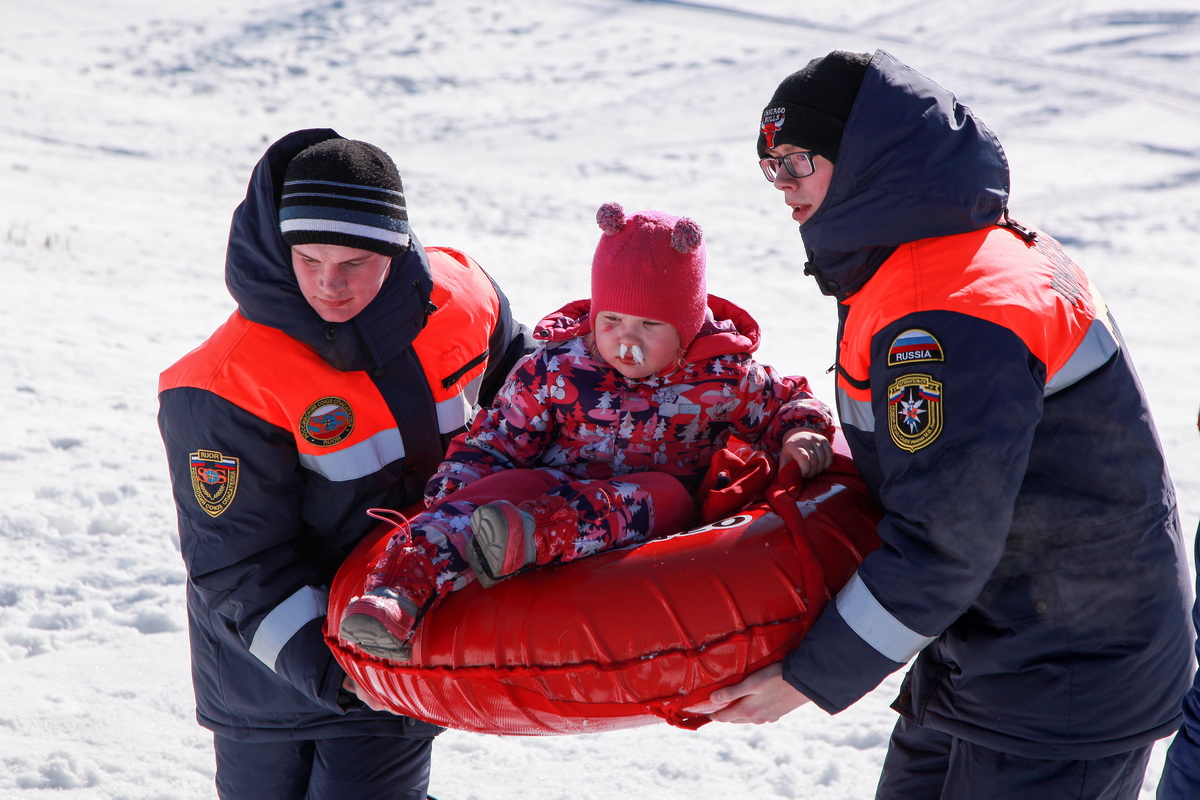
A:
(591, 516)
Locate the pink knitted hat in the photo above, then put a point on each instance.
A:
(650, 265)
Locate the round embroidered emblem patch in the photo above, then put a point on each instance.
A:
(327, 422)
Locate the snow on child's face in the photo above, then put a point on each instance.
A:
(636, 347)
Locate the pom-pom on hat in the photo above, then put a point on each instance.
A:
(811, 106)
(344, 192)
(652, 265)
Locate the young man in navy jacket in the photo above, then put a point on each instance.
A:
(1032, 559)
(354, 356)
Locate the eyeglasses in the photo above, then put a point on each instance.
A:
(798, 165)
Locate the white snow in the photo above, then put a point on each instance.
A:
(128, 129)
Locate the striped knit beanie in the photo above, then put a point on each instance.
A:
(650, 265)
(344, 192)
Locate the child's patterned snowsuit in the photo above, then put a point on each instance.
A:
(606, 443)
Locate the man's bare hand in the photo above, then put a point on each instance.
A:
(762, 697)
(370, 702)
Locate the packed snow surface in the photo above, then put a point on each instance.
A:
(128, 130)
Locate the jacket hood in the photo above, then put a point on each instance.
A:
(914, 163)
(727, 328)
(258, 273)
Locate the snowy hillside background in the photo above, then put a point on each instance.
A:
(127, 132)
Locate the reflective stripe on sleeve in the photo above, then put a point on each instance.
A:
(855, 412)
(866, 617)
(285, 621)
(358, 460)
(1092, 353)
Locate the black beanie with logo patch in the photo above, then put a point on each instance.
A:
(810, 107)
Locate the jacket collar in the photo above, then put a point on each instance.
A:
(914, 163)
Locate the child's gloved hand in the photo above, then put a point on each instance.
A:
(812, 452)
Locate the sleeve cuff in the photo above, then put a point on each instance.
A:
(833, 666)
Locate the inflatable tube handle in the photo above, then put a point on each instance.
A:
(679, 718)
(394, 518)
(783, 504)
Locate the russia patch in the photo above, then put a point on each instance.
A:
(214, 480)
(912, 346)
(914, 411)
(327, 422)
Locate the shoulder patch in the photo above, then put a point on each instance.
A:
(914, 411)
(912, 346)
(327, 422)
(214, 480)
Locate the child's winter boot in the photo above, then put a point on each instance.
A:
(508, 538)
(381, 620)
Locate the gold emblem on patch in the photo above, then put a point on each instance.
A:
(214, 480)
(914, 411)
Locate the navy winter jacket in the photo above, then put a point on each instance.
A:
(1031, 546)
(282, 430)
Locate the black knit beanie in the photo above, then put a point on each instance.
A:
(810, 107)
(347, 193)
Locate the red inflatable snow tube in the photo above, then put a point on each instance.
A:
(627, 637)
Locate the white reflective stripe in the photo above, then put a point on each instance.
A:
(350, 228)
(1092, 353)
(855, 412)
(455, 412)
(285, 621)
(359, 460)
(875, 625)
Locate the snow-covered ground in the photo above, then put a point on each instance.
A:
(127, 132)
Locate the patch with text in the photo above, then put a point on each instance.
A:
(327, 422)
(912, 346)
(772, 123)
(914, 411)
(214, 480)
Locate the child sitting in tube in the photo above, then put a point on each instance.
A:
(600, 438)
